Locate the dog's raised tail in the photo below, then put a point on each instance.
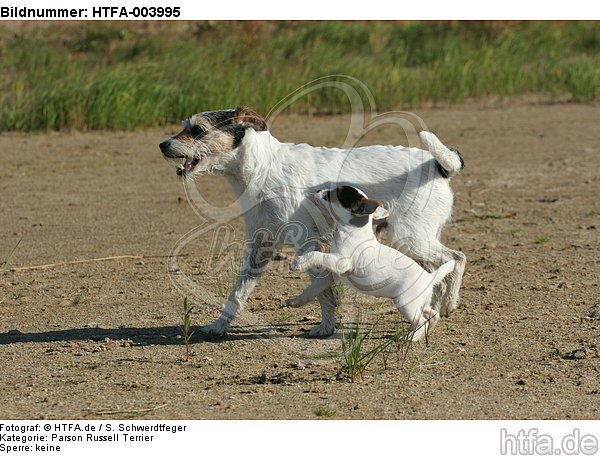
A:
(441, 272)
(449, 161)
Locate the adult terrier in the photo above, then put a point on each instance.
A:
(274, 182)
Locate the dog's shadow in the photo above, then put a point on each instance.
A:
(162, 335)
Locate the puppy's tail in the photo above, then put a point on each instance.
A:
(441, 272)
(449, 161)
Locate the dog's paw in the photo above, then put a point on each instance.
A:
(321, 331)
(215, 330)
(298, 264)
(291, 302)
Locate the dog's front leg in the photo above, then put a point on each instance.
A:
(257, 257)
(337, 265)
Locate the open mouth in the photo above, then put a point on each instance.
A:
(188, 166)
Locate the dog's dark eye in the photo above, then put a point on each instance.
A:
(197, 130)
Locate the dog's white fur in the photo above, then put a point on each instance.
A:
(275, 181)
(357, 258)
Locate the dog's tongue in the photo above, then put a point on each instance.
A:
(187, 166)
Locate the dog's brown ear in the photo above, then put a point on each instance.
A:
(246, 115)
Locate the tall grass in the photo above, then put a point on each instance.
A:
(117, 76)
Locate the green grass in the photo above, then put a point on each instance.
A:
(5, 265)
(357, 357)
(122, 76)
(542, 239)
(186, 326)
(355, 362)
(324, 412)
(77, 300)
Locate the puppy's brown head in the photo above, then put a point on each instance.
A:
(208, 138)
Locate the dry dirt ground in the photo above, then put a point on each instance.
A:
(101, 339)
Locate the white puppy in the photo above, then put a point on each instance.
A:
(369, 266)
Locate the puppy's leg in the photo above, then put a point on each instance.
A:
(320, 260)
(316, 262)
(321, 289)
(257, 258)
(412, 310)
(320, 281)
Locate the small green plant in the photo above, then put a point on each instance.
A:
(186, 327)
(226, 281)
(542, 239)
(228, 345)
(32, 278)
(357, 359)
(5, 266)
(324, 412)
(77, 299)
(339, 290)
(284, 317)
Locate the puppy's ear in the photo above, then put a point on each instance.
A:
(368, 206)
(380, 213)
(245, 115)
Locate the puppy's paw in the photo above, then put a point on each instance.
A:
(298, 265)
(321, 331)
(418, 330)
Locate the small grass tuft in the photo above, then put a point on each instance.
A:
(324, 412)
(357, 359)
(352, 348)
(77, 299)
(186, 327)
(542, 239)
(5, 266)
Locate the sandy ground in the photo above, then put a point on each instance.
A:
(101, 339)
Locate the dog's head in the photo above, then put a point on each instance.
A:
(207, 140)
(350, 206)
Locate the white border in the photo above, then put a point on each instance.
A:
(348, 9)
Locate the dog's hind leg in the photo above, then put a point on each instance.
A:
(257, 257)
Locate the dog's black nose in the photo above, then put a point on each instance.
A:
(164, 146)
